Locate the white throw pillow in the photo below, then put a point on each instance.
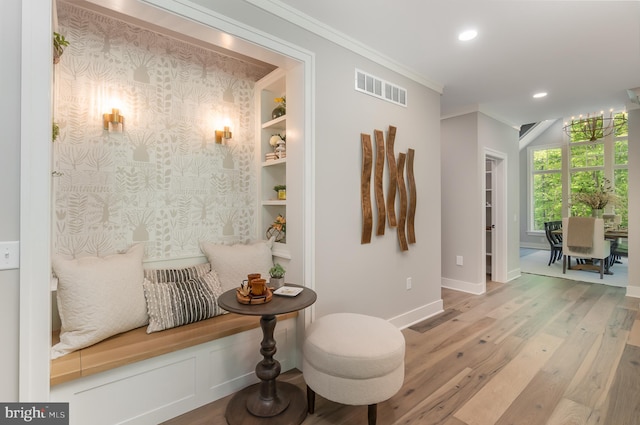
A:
(233, 263)
(99, 297)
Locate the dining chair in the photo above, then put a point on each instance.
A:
(554, 239)
(583, 237)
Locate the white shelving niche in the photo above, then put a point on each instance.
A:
(272, 172)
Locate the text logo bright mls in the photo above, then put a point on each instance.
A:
(34, 413)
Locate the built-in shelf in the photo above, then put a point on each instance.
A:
(274, 162)
(274, 202)
(279, 123)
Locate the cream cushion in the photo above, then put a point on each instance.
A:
(353, 359)
(98, 297)
(233, 263)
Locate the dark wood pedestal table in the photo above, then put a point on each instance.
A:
(268, 402)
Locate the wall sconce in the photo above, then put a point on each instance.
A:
(223, 134)
(113, 121)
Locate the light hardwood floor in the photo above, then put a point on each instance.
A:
(537, 350)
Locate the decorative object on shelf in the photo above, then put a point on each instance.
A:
(391, 191)
(281, 109)
(59, 43)
(281, 150)
(377, 183)
(278, 230)
(281, 190)
(278, 143)
(594, 127)
(599, 197)
(277, 276)
(225, 135)
(413, 194)
(402, 214)
(365, 188)
(113, 121)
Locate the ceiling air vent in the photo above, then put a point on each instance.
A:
(369, 84)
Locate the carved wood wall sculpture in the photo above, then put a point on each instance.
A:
(391, 192)
(365, 189)
(402, 214)
(404, 220)
(411, 217)
(379, 171)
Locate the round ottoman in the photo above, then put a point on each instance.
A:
(353, 359)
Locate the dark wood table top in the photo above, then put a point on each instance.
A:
(279, 304)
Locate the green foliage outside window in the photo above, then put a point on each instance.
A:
(587, 169)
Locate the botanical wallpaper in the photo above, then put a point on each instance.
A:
(163, 180)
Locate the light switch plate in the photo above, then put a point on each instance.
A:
(9, 255)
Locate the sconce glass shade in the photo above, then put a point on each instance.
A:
(113, 121)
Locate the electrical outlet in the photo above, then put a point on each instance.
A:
(408, 283)
(459, 260)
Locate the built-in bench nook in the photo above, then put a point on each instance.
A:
(137, 345)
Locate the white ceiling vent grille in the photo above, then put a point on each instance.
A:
(369, 84)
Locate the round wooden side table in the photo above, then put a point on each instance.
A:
(268, 402)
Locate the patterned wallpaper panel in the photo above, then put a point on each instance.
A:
(163, 180)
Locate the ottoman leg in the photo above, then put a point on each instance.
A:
(311, 400)
(372, 412)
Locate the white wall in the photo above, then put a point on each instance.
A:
(497, 136)
(464, 140)
(461, 191)
(348, 276)
(10, 194)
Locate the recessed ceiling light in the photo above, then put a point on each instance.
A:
(539, 95)
(467, 35)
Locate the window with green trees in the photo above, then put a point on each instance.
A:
(594, 160)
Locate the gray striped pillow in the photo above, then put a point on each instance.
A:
(177, 297)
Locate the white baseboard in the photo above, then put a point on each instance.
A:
(633, 291)
(417, 315)
(514, 274)
(470, 287)
(533, 245)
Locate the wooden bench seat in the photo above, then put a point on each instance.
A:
(136, 345)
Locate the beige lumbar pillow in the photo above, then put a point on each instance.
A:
(233, 263)
(98, 297)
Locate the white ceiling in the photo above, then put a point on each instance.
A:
(585, 54)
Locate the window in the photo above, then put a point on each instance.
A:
(591, 160)
(546, 185)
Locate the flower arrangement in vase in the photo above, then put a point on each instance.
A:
(596, 198)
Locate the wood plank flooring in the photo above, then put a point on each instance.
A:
(535, 351)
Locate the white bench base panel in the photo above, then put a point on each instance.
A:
(163, 387)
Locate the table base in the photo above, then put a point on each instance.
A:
(294, 414)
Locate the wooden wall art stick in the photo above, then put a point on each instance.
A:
(379, 171)
(411, 218)
(365, 188)
(391, 192)
(402, 214)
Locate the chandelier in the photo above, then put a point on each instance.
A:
(594, 127)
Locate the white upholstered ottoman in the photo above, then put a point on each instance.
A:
(353, 359)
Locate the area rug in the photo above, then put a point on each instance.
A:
(536, 263)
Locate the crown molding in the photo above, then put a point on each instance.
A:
(313, 25)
